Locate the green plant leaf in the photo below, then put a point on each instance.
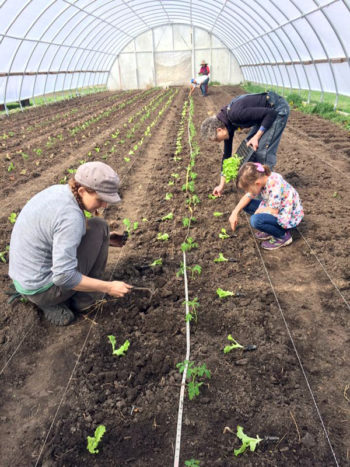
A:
(168, 217)
(230, 167)
(247, 441)
(93, 441)
(221, 258)
(235, 345)
(157, 262)
(218, 214)
(163, 237)
(224, 293)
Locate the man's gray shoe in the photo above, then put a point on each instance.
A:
(59, 315)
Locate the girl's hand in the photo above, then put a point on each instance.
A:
(218, 190)
(233, 220)
(118, 289)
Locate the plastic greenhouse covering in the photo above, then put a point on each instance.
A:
(49, 46)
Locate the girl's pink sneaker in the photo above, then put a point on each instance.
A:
(262, 236)
(275, 243)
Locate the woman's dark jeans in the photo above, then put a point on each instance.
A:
(264, 222)
(268, 143)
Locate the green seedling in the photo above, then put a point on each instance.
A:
(247, 441)
(218, 214)
(230, 167)
(224, 293)
(11, 167)
(195, 270)
(127, 159)
(171, 182)
(189, 186)
(120, 352)
(223, 234)
(93, 441)
(63, 180)
(128, 225)
(4, 253)
(220, 259)
(193, 307)
(335, 194)
(193, 373)
(193, 175)
(212, 196)
(71, 171)
(192, 463)
(235, 345)
(144, 219)
(189, 244)
(175, 175)
(97, 149)
(181, 271)
(164, 236)
(168, 217)
(12, 217)
(195, 200)
(168, 196)
(38, 151)
(157, 262)
(87, 214)
(25, 156)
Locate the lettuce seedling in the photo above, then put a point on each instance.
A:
(175, 175)
(218, 214)
(247, 441)
(164, 237)
(230, 167)
(4, 253)
(168, 217)
(189, 244)
(221, 258)
(168, 196)
(127, 159)
(193, 372)
(128, 226)
(224, 293)
(192, 463)
(157, 262)
(122, 349)
(12, 217)
(223, 234)
(235, 345)
(212, 196)
(171, 182)
(93, 441)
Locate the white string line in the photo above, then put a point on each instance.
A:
(324, 269)
(188, 339)
(293, 344)
(16, 349)
(80, 353)
(184, 375)
(19, 345)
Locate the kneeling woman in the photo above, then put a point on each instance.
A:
(57, 257)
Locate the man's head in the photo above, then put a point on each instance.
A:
(214, 129)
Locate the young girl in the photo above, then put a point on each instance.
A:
(279, 211)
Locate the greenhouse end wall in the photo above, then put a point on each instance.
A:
(171, 55)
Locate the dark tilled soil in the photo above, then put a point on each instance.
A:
(62, 383)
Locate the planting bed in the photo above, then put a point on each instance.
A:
(60, 384)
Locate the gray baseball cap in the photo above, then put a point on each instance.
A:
(101, 178)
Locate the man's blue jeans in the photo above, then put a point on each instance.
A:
(203, 86)
(264, 222)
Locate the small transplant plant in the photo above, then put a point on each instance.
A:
(223, 234)
(4, 253)
(189, 244)
(164, 236)
(220, 259)
(12, 217)
(212, 196)
(234, 345)
(120, 351)
(193, 306)
(168, 196)
(93, 441)
(192, 463)
(157, 262)
(247, 441)
(186, 221)
(193, 374)
(218, 214)
(130, 226)
(168, 217)
(224, 293)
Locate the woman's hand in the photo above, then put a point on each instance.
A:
(233, 220)
(118, 289)
(253, 143)
(218, 190)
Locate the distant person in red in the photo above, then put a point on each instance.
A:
(204, 70)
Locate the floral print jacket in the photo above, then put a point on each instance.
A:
(279, 194)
